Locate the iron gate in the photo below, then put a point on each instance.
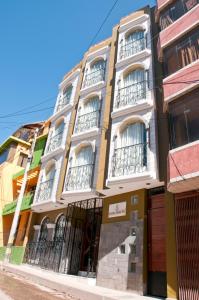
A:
(187, 240)
(74, 247)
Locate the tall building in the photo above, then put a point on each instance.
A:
(178, 49)
(101, 183)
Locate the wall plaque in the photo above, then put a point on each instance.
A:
(117, 209)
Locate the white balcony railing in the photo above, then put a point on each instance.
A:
(129, 160)
(65, 99)
(87, 121)
(131, 95)
(132, 48)
(94, 77)
(54, 142)
(79, 178)
(44, 191)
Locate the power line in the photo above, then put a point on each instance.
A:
(28, 112)
(28, 107)
(104, 21)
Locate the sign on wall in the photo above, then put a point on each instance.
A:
(117, 209)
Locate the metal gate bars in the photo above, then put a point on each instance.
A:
(73, 249)
(187, 239)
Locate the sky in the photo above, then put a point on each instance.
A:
(40, 41)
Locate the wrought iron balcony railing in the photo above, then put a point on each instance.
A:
(44, 191)
(131, 94)
(87, 121)
(132, 48)
(94, 77)
(79, 178)
(54, 142)
(63, 102)
(129, 160)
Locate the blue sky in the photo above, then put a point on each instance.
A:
(40, 40)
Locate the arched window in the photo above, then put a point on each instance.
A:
(67, 92)
(50, 172)
(80, 173)
(65, 98)
(130, 154)
(133, 134)
(134, 43)
(55, 137)
(98, 65)
(134, 77)
(84, 156)
(89, 115)
(133, 90)
(59, 229)
(91, 105)
(96, 73)
(44, 230)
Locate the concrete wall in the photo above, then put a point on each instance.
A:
(126, 233)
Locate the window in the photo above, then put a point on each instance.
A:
(96, 73)
(55, 138)
(65, 98)
(22, 161)
(130, 155)
(122, 249)
(80, 173)
(89, 115)
(184, 121)
(182, 53)
(133, 89)
(3, 156)
(175, 11)
(134, 43)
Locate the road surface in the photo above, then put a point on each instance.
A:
(13, 287)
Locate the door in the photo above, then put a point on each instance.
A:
(157, 246)
(187, 241)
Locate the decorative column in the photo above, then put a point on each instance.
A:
(36, 232)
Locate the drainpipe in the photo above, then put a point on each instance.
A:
(15, 221)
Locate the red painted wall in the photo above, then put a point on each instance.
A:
(184, 161)
(189, 20)
(182, 79)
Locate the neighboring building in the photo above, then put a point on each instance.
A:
(12, 183)
(102, 179)
(178, 49)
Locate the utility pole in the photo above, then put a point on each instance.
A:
(19, 200)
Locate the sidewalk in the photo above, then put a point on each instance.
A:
(81, 287)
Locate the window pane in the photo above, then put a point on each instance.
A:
(184, 121)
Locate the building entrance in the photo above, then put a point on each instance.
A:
(73, 247)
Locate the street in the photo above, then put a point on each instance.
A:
(13, 287)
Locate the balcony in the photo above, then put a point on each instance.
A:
(129, 160)
(132, 48)
(79, 178)
(44, 191)
(54, 142)
(63, 102)
(26, 204)
(131, 95)
(175, 11)
(87, 121)
(173, 30)
(94, 77)
(183, 168)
